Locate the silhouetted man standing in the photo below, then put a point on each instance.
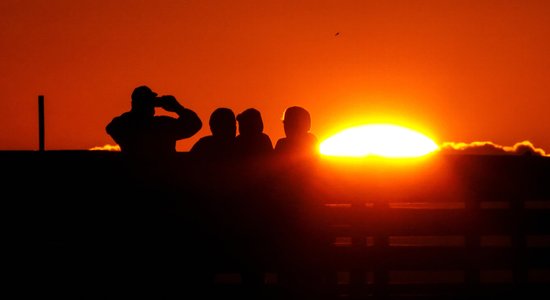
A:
(299, 141)
(146, 139)
(140, 133)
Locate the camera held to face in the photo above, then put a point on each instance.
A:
(160, 101)
(167, 102)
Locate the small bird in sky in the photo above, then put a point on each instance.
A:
(337, 34)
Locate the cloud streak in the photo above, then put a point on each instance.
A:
(490, 148)
(106, 147)
(476, 148)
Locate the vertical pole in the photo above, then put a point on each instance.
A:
(41, 122)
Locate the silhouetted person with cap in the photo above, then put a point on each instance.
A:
(140, 133)
(299, 141)
(252, 141)
(151, 217)
(221, 144)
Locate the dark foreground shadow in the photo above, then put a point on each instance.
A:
(94, 225)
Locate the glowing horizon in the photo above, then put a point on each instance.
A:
(384, 140)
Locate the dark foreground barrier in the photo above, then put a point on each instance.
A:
(95, 225)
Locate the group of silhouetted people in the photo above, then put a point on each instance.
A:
(235, 222)
(141, 133)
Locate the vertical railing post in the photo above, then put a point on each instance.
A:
(41, 131)
(520, 267)
(472, 243)
(380, 248)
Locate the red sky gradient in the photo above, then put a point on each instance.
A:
(458, 71)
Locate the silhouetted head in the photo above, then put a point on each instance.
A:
(250, 122)
(296, 121)
(223, 122)
(143, 100)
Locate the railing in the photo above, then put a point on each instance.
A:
(449, 227)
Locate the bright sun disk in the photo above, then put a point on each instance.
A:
(383, 140)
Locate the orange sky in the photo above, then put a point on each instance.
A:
(459, 71)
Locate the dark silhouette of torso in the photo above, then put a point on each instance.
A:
(253, 144)
(300, 145)
(152, 135)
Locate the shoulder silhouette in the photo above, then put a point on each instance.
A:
(139, 132)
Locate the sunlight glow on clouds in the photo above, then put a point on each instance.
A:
(355, 144)
(490, 148)
(106, 147)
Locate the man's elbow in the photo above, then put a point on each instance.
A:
(196, 126)
(189, 125)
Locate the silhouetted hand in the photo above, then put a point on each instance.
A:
(170, 103)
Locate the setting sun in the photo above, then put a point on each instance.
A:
(383, 140)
